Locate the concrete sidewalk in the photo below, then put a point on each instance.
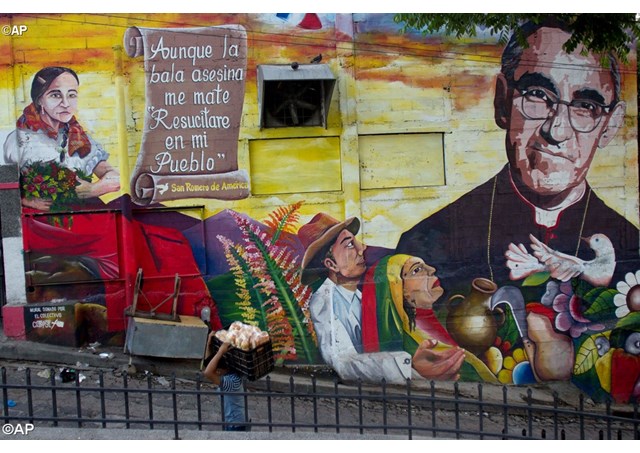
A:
(104, 357)
(165, 434)
(301, 380)
(97, 357)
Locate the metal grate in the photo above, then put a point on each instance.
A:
(110, 400)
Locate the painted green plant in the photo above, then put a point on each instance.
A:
(268, 287)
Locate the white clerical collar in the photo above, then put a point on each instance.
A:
(549, 217)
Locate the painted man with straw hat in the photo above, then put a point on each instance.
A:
(333, 254)
(334, 259)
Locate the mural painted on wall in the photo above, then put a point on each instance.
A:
(529, 277)
(373, 313)
(563, 261)
(76, 257)
(57, 158)
(195, 92)
(63, 169)
(561, 307)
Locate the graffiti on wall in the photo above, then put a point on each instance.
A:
(195, 93)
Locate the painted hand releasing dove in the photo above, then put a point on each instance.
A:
(597, 272)
(521, 263)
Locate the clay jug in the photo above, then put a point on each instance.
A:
(470, 320)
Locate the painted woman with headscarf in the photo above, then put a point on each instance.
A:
(397, 314)
(55, 154)
(49, 137)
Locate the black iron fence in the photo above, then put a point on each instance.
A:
(302, 404)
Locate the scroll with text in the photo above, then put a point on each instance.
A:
(195, 82)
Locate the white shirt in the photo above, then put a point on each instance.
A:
(338, 350)
(24, 146)
(347, 308)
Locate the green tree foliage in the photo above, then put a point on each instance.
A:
(598, 32)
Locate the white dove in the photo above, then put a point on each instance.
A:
(598, 272)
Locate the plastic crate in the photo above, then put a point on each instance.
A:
(253, 364)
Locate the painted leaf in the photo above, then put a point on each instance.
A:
(600, 306)
(581, 287)
(536, 279)
(249, 301)
(585, 357)
(274, 268)
(247, 291)
(303, 340)
(508, 331)
(283, 219)
(629, 322)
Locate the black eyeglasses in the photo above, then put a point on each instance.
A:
(540, 104)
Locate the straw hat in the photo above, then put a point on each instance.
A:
(320, 232)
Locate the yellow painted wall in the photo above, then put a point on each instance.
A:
(387, 84)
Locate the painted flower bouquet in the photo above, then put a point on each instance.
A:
(51, 181)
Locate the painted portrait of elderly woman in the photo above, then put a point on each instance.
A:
(60, 164)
